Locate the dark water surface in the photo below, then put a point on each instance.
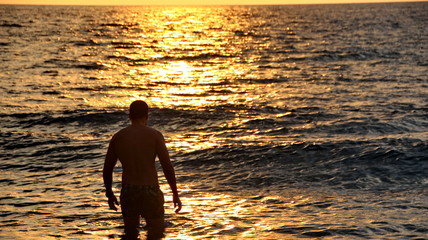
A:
(284, 122)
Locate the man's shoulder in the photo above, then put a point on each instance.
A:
(122, 131)
(154, 131)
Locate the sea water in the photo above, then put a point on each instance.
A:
(283, 122)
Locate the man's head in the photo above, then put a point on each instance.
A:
(138, 109)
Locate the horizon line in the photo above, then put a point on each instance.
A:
(208, 5)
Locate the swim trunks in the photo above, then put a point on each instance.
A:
(145, 201)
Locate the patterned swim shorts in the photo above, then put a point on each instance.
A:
(145, 201)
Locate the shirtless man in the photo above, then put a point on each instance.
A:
(136, 147)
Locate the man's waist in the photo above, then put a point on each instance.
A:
(139, 186)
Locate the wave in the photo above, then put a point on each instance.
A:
(364, 127)
(119, 25)
(351, 232)
(108, 88)
(263, 80)
(118, 44)
(196, 57)
(64, 63)
(261, 119)
(11, 25)
(86, 43)
(81, 117)
(180, 118)
(386, 164)
(351, 54)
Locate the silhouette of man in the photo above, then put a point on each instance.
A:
(136, 147)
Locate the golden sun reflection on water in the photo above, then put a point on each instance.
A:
(177, 86)
(183, 59)
(217, 215)
(214, 215)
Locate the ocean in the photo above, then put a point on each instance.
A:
(283, 122)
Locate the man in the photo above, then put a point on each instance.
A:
(136, 147)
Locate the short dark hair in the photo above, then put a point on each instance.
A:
(138, 109)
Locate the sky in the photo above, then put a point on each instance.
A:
(187, 2)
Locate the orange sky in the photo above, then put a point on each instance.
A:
(185, 2)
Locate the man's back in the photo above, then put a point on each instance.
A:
(136, 147)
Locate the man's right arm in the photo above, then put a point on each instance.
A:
(168, 171)
(109, 163)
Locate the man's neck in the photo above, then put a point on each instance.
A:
(139, 122)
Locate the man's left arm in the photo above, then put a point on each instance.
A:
(109, 163)
(168, 170)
